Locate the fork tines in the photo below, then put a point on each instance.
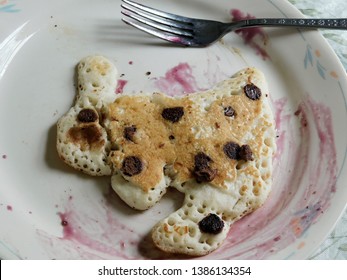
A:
(164, 25)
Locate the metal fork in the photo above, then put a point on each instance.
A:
(200, 32)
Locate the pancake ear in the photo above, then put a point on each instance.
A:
(82, 140)
(97, 81)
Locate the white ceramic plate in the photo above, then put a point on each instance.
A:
(40, 45)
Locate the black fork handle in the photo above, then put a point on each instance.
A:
(325, 23)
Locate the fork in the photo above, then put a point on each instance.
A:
(200, 32)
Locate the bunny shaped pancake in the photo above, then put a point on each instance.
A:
(214, 146)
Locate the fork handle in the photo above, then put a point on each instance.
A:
(330, 23)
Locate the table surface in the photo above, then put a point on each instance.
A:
(335, 246)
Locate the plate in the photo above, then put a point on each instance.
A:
(49, 211)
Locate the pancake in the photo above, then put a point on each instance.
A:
(215, 146)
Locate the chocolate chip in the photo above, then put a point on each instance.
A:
(211, 224)
(245, 153)
(204, 174)
(252, 91)
(201, 159)
(131, 166)
(87, 115)
(173, 114)
(232, 150)
(229, 111)
(129, 132)
(171, 137)
(202, 171)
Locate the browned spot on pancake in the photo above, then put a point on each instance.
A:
(181, 230)
(166, 228)
(87, 115)
(99, 67)
(87, 137)
(252, 91)
(173, 114)
(131, 166)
